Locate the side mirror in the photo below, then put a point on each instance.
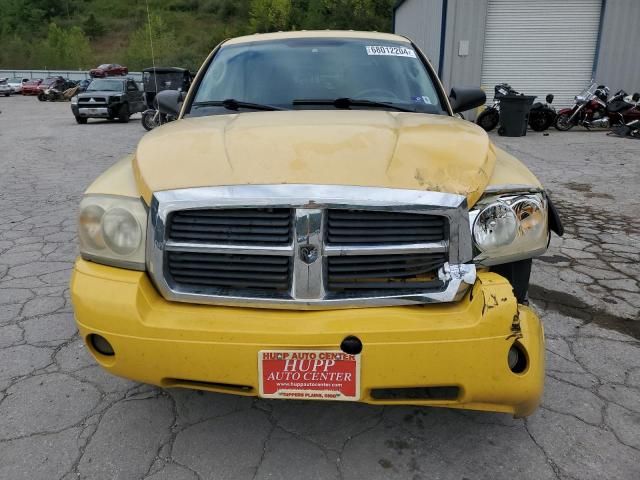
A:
(170, 102)
(549, 98)
(463, 99)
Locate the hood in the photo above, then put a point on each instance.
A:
(344, 147)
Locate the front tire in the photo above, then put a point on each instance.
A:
(149, 120)
(539, 122)
(562, 122)
(123, 114)
(81, 120)
(488, 119)
(42, 97)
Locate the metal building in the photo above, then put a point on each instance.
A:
(537, 46)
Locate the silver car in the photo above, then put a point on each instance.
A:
(16, 84)
(5, 89)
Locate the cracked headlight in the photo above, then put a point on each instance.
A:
(112, 230)
(509, 227)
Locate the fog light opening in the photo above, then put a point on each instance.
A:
(517, 358)
(101, 345)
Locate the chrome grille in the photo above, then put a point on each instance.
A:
(309, 246)
(240, 226)
(381, 228)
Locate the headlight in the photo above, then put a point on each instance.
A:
(74, 100)
(509, 227)
(112, 230)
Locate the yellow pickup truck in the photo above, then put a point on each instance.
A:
(318, 224)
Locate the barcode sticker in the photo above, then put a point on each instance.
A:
(390, 51)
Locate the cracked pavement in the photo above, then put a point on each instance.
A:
(61, 416)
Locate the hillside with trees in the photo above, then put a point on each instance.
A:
(79, 34)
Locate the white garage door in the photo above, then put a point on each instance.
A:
(541, 46)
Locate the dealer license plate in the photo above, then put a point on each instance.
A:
(309, 375)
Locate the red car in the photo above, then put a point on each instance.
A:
(108, 70)
(31, 87)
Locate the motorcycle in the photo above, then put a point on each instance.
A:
(593, 108)
(490, 116)
(541, 115)
(152, 118)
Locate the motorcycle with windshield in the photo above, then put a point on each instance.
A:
(593, 108)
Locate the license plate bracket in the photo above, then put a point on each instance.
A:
(309, 375)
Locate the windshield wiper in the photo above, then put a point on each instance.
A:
(346, 102)
(233, 104)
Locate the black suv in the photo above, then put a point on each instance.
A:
(109, 98)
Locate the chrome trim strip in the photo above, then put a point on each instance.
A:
(344, 250)
(308, 290)
(227, 249)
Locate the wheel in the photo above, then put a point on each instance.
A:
(81, 120)
(150, 119)
(488, 119)
(42, 97)
(123, 114)
(7, 94)
(539, 122)
(562, 122)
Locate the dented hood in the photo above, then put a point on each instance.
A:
(352, 147)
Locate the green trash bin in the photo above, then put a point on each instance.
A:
(514, 115)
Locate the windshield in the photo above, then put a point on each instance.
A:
(105, 85)
(164, 81)
(104, 66)
(278, 72)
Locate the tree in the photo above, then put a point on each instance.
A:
(93, 27)
(270, 15)
(64, 48)
(165, 46)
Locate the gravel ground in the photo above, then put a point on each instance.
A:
(61, 416)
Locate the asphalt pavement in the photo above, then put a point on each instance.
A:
(61, 416)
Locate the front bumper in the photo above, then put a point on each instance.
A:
(91, 112)
(462, 345)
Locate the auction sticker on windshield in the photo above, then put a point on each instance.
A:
(309, 375)
(391, 51)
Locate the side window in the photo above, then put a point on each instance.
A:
(132, 87)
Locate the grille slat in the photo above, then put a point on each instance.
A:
(385, 272)
(234, 272)
(383, 228)
(250, 226)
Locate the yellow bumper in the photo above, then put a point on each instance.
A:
(462, 345)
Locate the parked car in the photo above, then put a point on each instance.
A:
(5, 88)
(31, 87)
(333, 233)
(16, 83)
(109, 98)
(108, 70)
